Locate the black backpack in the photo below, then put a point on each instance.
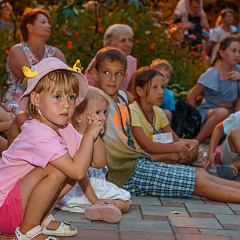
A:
(186, 120)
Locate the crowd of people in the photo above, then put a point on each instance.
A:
(86, 142)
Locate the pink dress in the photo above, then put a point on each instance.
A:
(131, 68)
(10, 99)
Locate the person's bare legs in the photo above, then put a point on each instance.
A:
(214, 117)
(216, 188)
(3, 145)
(38, 188)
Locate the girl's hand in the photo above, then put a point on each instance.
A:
(234, 75)
(94, 116)
(94, 127)
(182, 150)
(210, 160)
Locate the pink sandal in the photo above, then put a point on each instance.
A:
(64, 229)
(31, 234)
(108, 213)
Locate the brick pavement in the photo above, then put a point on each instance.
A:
(163, 218)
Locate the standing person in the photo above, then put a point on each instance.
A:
(102, 191)
(133, 169)
(218, 33)
(38, 168)
(5, 15)
(149, 121)
(35, 30)
(194, 22)
(121, 37)
(220, 85)
(166, 69)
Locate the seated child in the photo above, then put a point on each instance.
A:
(42, 162)
(100, 192)
(168, 102)
(230, 152)
(149, 122)
(95, 103)
(134, 169)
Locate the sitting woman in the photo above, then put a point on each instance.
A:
(35, 30)
(121, 37)
(220, 85)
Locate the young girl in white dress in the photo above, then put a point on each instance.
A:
(77, 200)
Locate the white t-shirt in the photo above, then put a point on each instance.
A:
(216, 36)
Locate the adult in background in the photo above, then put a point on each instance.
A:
(121, 37)
(35, 30)
(224, 29)
(195, 21)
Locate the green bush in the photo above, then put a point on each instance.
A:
(78, 32)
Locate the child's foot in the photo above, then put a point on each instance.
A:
(108, 213)
(56, 228)
(33, 234)
(227, 171)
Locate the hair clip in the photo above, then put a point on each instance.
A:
(77, 66)
(27, 72)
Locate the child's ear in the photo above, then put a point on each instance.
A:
(94, 74)
(29, 27)
(139, 91)
(34, 98)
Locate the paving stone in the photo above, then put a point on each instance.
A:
(146, 226)
(228, 219)
(219, 232)
(194, 222)
(172, 204)
(94, 235)
(231, 227)
(142, 200)
(132, 215)
(201, 215)
(164, 211)
(181, 230)
(200, 237)
(97, 225)
(234, 206)
(194, 199)
(135, 207)
(154, 218)
(145, 236)
(207, 201)
(207, 208)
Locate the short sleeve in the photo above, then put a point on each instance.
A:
(233, 121)
(214, 37)
(136, 119)
(168, 100)
(210, 79)
(161, 118)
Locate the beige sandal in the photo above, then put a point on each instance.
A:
(64, 229)
(31, 234)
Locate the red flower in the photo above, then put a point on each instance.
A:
(83, 30)
(99, 20)
(100, 29)
(199, 46)
(79, 40)
(76, 33)
(152, 47)
(6, 51)
(137, 41)
(69, 44)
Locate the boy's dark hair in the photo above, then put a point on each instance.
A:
(112, 54)
(225, 11)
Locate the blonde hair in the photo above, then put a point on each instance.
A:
(162, 64)
(93, 93)
(55, 80)
(113, 31)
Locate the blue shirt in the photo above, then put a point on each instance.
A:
(168, 100)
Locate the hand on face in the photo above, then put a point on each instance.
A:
(96, 123)
(234, 75)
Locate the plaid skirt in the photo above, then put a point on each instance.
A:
(160, 179)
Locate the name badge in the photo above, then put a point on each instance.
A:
(163, 138)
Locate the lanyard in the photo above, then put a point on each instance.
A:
(128, 130)
(155, 131)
